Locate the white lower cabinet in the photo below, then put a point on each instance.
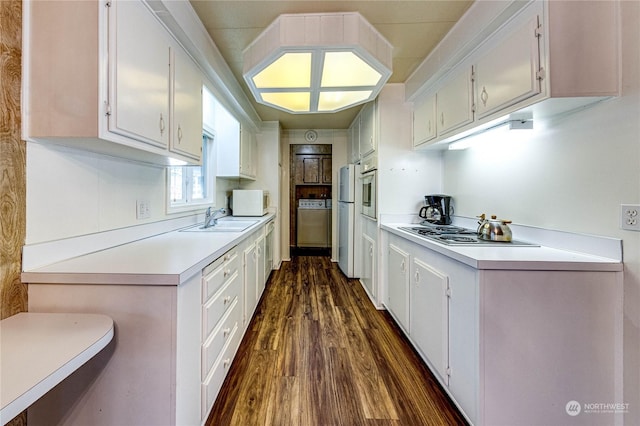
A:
(398, 287)
(367, 278)
(250, 266)
(512, 346)
(173, 348)
(430, 315)
(255, 272)
(221, 322)
(269, 245)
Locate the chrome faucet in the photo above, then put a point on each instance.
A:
(210, 219)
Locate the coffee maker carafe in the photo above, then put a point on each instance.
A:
(437, 209)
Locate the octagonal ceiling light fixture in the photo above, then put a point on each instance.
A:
(317, 63)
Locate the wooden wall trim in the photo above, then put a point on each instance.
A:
(13, 206)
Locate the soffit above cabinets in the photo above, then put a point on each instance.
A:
(414, 28)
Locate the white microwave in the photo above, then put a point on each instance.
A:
(249, 202)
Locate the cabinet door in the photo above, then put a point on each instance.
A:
(311, 170)
(228, 137)
(139, 74)
(325, 167)
(398, 288)
(429, 314)
(248, 154)
(250, 281)
(508, 73)
(368, 264)
(454, 102)
(187, 106)
(261, 260)
(367, 130)
(424, 120)
(268, 250)
(354, 141)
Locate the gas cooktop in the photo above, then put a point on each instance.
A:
(454, 235)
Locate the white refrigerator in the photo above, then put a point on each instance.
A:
(346, 219)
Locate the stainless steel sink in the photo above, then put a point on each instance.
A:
(223, 225)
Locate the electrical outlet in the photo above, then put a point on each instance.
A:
(143, 209)
(629, 217)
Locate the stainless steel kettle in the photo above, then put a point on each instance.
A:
(494, 229)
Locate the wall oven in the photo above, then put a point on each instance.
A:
(369, 207)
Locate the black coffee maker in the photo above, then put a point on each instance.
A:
(437, 209)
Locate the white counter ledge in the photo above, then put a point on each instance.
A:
(514, 258)
(166, 259)
(40, 350)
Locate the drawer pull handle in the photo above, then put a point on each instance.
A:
(161, 123)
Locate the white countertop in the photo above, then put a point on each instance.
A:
(170, 258)
(514, 258)
(40, 350)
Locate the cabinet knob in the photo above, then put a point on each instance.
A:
(226, 273)
(179, 134)
(402, 266)
(226, 363)
(417, 277)
(226, 332)
(227, 299)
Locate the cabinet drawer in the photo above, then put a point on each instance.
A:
(213, 310)
(221, 269)
(214, 345)
(212, 384)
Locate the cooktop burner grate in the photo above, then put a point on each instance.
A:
(454, 235)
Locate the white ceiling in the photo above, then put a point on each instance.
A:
(413, 27)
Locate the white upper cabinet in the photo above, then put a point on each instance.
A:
(248, 154)
(353, 150)
(100, 76)
(367, 139)
(139, 61)
(548, 58)
(424, 120)
(236, 146)
(510, 71)
(187, 106)
(454, 102)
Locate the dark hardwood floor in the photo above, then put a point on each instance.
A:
(317, 352)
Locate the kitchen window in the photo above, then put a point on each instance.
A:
(191, 187)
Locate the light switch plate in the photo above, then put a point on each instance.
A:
(143, 209)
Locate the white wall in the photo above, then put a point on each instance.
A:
(338, 140)
(573, 175)
(72, 192)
